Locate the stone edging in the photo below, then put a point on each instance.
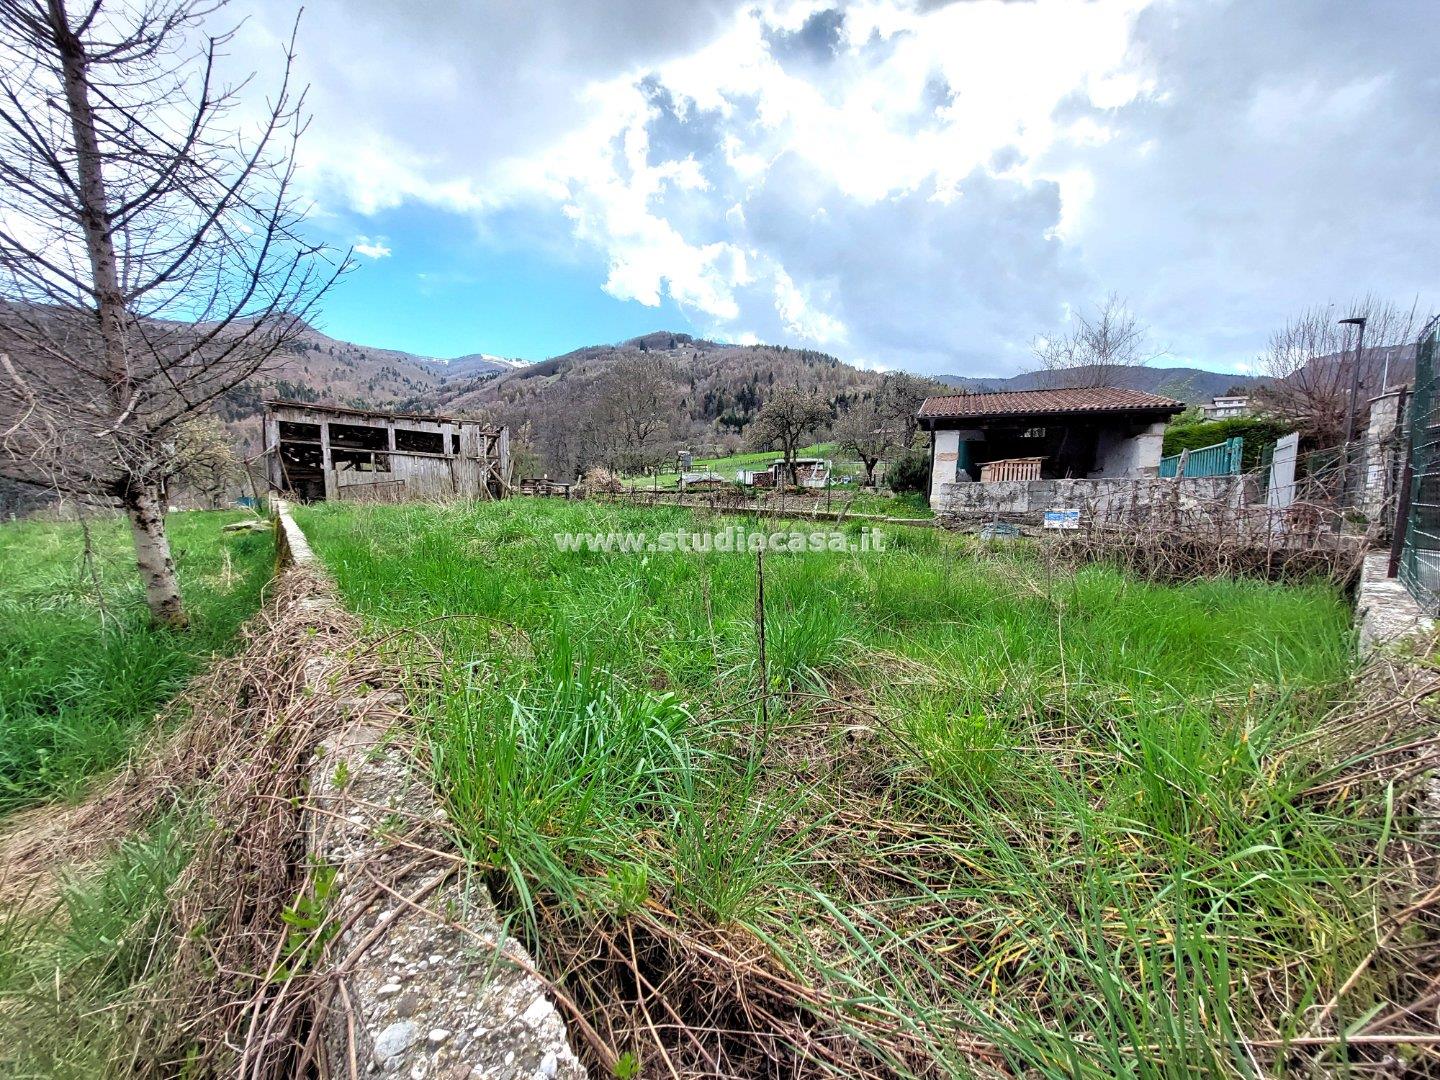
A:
(1385, 612)
(438, 989)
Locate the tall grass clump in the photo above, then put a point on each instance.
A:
(546, 778)
(984, 814)
(77, 979)
(82, 671)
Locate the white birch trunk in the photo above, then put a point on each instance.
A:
(152, 556)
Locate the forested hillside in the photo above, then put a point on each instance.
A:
(631, 404)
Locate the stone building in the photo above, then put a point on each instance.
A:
(1073, 433)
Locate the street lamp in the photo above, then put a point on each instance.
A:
(1357, 321)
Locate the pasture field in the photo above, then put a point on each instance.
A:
(976, 811)
(726, 466)
(82, 672)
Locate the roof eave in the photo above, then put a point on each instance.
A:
(929, 423)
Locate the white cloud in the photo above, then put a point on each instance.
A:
(923, 185)
(371, 249)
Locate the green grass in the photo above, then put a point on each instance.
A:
(1063, 812)
(74, 979)
(727, 466)
(78, 685)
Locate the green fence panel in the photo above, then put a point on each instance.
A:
(1222, 459)
(1420, 555)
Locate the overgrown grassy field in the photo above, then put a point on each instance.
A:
(993, 815)
(77, 978)
(82, 672)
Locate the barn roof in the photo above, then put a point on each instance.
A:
(375, 414)
(1067, 400)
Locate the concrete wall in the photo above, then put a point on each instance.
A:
(1385, 612)
(947, 454)
(1137, 455)
(427, 981)
(1112, 501)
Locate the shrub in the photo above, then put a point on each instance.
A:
(910, 472)
(1259, 432)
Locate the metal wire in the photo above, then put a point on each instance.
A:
(1420, 556)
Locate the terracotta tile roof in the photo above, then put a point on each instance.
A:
(1079, 399)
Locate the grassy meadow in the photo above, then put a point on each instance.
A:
(82, 672)
(728, 465)
(989, 806)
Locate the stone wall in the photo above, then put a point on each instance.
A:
(427, 982)
(1385, 612)
(1109, 501)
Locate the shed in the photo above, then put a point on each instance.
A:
(809, 471)
(316, 452)
(1075, 432)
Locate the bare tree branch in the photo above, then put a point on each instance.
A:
(1309, 363)
(151, 257)
(1097, 349)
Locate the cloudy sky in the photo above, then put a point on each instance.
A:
(903, 183)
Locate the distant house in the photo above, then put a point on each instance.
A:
(1224, 408)
(319, 452)
(1077, 432)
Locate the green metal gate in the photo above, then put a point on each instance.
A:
(1222, 459)
(1420, 552)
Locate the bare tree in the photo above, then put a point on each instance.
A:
(150, 258)
(638, 394)
(898, 400)
(867, 433)
(1310, 364)
(1098, 349)
(787, 418)
(203, 461)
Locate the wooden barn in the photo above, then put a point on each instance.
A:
(316, 452)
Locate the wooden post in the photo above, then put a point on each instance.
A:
(332, 490)
(760, 638)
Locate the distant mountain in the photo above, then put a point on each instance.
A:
(718, 390)
(1193, 386)
(479, 363)
(721, 386)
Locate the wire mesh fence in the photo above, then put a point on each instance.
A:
(1419, 554)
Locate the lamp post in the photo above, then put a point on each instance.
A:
(1357, 321)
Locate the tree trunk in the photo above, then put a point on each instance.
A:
(152, 556)
(142, 501)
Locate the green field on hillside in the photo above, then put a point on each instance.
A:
(83, 671)
(728, 465)
(988, 802)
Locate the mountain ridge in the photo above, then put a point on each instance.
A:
(1194, 386)
(720, 385)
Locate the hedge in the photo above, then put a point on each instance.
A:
(1258, 432)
